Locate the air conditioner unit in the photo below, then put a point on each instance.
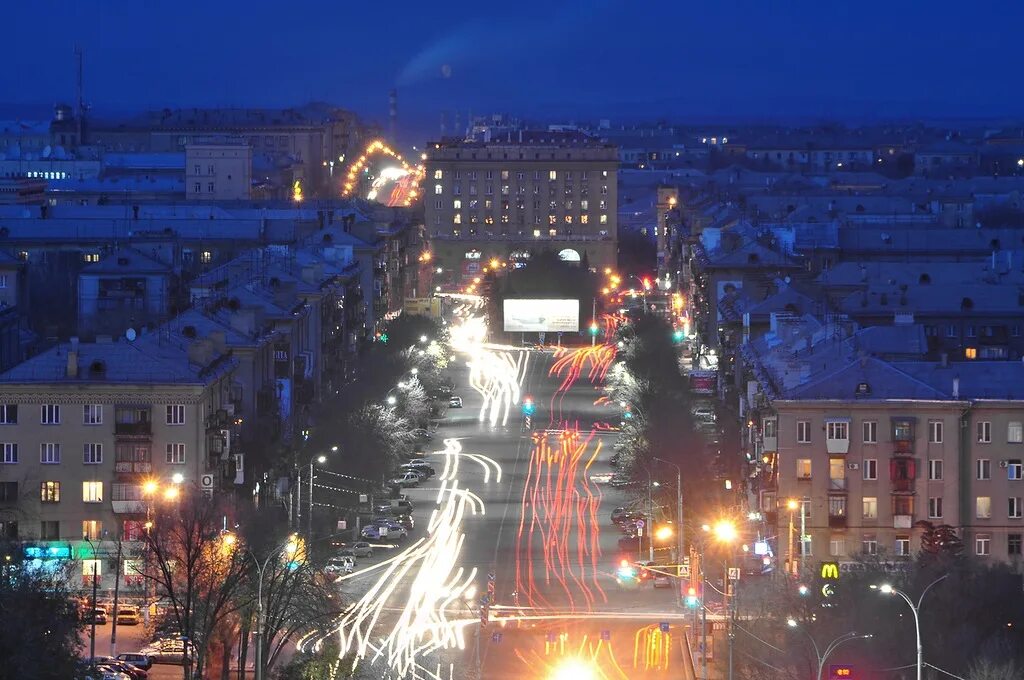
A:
(1004, 463)
(853, 466)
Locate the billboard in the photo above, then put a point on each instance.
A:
(540, 316)
(703, 382)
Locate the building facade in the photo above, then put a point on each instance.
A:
(218, 171)
(532, 190)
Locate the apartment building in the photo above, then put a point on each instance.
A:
(218, 170)
(502, 197)
(84, 426)
(870, 448)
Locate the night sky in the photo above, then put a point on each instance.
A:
(602, 58)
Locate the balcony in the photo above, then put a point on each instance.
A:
(837, 521)
(133, 467)
(128, 507)
(903, 447)
(841, 446)
(837, 484)
(136, 430)
(903, 486)
(902, 521)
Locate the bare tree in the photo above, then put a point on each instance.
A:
(196, 567)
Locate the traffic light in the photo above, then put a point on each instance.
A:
(593, 328)
(678, 335)
(528, 406)
(692, 601)
(626, 571)
(803, 590)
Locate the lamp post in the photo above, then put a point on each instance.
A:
(832, 646)
(887, 589)
(725, 532)
(291, 547)
(792, 504)
(92, 633)
(680, 544)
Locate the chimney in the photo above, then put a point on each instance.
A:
(956, 387)
(73, 362)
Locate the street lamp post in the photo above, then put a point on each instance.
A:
(292, 547)
(889, 590)
(792, 505)
(680, 544)
(725, 532)
(832, 646)
(92, 633)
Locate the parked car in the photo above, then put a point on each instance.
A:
(128, 669)
(168, 651)
(407, 479)
(407, 522)
(110, 672)
(97, 616)
(618, 514)
(362, 549)
(340, 565)
(370, 532)
(455, 402)
(418, 466)
(394, 528)
(621, 480)
(136, 659)
(128, 615)
(661, 581)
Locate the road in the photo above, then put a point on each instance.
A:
(541, 526)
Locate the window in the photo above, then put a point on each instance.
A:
(438, 189)
(971, 332)
(870, 507)
(981, 544)
(438, 174)
(768, 428)
(1014, 508)
(837, 546)
(984, 432)
(803, 431)
(489, 174)
(92, 529)
(175, 453)
(8, 494)
(552, 175)
(837, 506)
(803, 468)
(934, 431)
(837, 430)
(903, 505)
(805, 546)
(92, 492)
(457, 204)
(869, 545)
(603, 219)
(205, 257)
(1013, 545)
(49, 492)
(871, 468)
(8, 414)
(983, 507)
(210, 170)
(1014, 470)
(92, 414)
(935, 470)
(209, 187)
(457, 219)
(869, 430)
(175, 414)
(198, 169)
(49, 414)
(49, 453)
(49, 530)
(9, 453)
(983, 467)
(1015, 432)
(935, 507)
(196, 187)
(92, 453)
(903, 546)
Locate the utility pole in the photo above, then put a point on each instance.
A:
(309, 520)
(117, 590)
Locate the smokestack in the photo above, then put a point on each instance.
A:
(393, 114)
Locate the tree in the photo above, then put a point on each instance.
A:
(939, 542)
(987, 670)
(195, 566)
(39, 621)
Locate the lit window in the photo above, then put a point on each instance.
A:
(869, 506)
(205, 257)
(91, 257)
(803, 468)
(536, 233)
(983, 507)
(504, 174)
(457, 204)
(584, 219)
(92, 492)
(1015, 432)
(552, 175)
(552, 232)
(438, 189)
(175, 454)
(438, 174)
(49, 492)
(971, 353)
(458, 218)
(568, 219)
(604, 219)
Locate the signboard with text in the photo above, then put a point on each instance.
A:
(542, 315)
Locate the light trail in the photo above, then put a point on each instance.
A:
(407, 178)
(569, 366)
(495, 372)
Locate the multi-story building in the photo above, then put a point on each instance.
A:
(84, 426)
(123, 289)
(859, 454)
(503, 197)
(218, 170)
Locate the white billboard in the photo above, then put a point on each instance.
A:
(540, 316)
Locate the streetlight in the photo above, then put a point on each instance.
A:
(832, 646)
(171, 493)
(725, 532)
(792, 504)
(177, 478)
(290, 547)
(887, 589)
(680, 545)
(391, 400)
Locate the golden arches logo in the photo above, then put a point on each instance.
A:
(830, 571)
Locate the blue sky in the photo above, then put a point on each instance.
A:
(602, 58)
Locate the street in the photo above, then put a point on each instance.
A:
(540, 523)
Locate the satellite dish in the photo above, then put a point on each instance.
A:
(130, 334)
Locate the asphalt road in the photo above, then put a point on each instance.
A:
(547, 537)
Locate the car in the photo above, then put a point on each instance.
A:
(394, 528)
(98, 616)
(168, 651)
(455, 402)
(619, 514)
(661, 581)
(128, 669)
(361, 549)
(417, 466)
(128, 615)
(704, 413)
(407, 522)
(370, 532)
(407, 479)
(110, 672)
(136, 659)
(340, 565)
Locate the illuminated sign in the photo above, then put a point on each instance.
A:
(840, 672)
(830, 571)
(53, 552)
(538, 316)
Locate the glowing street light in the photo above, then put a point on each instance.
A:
(321, 459)
(725, 531)
(149, 487)
(664, 533)
(171, 493)
(177, 478)
(887, 589)
(573, 669)
(391, 400)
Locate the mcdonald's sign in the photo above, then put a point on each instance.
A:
(830, 571)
